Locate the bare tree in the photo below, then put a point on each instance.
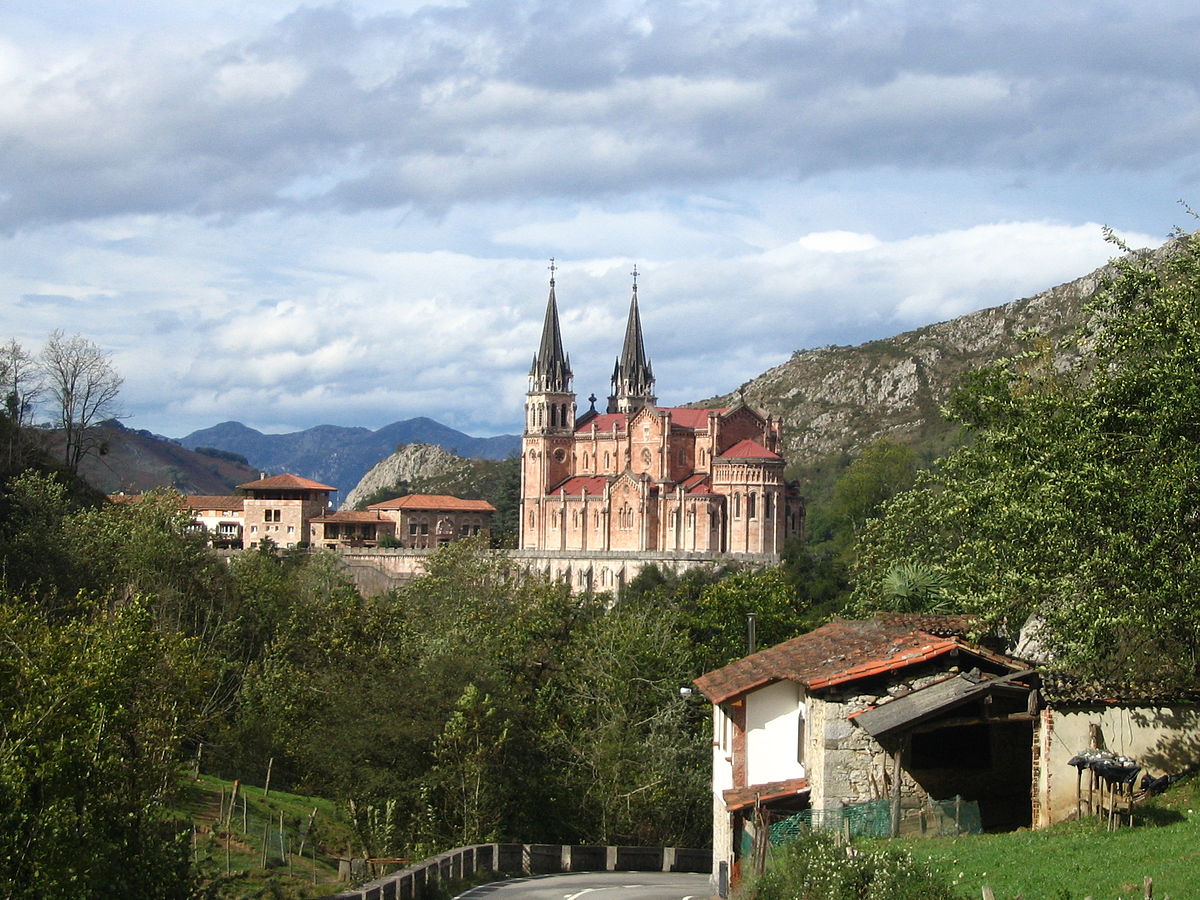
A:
(20, 388)
(83, 385)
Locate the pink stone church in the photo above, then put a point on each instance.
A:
(644, 478)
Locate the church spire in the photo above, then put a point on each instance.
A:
(551, 370)
(632, 379)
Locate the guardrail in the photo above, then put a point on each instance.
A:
(462, 863)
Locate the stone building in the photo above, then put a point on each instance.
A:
(640, 478)
(281, 508)
(426, 521)
(900, 709)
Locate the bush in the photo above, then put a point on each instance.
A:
(815, 868)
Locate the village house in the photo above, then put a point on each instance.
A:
(426, 521)
(218, 517)
(904, 711)
(639, 478)
(281, 508)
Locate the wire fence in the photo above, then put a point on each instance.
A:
(932, 818)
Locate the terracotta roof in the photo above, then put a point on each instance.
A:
(285, 482)
(941, 625)
(603, 422)
(1062, 689)
(593, 484)
(352, 515)
(838, 652)
(434, 501)
(741, 798)
(208, 501)
(748, 449)
(697, 484)
(694, 419)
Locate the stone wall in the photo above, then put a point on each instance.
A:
(583, 570)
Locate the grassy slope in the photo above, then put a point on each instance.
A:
(1081, 859)
(244, 841)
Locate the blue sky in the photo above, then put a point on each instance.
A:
(343, 213)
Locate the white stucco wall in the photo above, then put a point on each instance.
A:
(772, 733)
(1164, 740)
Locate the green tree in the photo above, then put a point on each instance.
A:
(92, 716)
(1074, 511)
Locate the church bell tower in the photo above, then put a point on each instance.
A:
(549, 423)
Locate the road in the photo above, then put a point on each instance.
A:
(596, 886)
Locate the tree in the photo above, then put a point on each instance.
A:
(20, 388)
(83, 385)
(1075, 510)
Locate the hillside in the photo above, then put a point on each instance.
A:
(836, 400)
(338, 455)
(137, 461)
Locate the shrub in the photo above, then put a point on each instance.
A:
(814, 867)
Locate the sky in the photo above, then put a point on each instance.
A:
(343, 213)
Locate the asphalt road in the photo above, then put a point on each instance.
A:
(596, 886)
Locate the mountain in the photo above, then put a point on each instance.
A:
(340, 456)
(836, 400)
(136, 461)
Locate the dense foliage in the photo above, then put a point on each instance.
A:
(1074, 510)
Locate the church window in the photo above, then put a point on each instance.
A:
(767, 505)
(646, 431)
(562, 415)
(646, 455)
(751, 505)
(737, 506)
(586, 462)
(607, 460)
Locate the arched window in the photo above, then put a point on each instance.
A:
(767, 505)
(737, 506)
(607, 461)
(751, 504)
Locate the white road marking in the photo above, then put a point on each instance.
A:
(579, 893)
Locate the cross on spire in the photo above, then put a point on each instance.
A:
(635, 274)
(552, 268)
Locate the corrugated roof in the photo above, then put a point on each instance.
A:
(436, 502)
(285, 482)
(1062, 689)
(748, 449)
(841, 651)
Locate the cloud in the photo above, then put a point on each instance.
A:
(444, 105)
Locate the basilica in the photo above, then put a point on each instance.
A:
(641, 478)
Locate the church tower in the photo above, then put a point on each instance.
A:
(548, 442)
(632, 378)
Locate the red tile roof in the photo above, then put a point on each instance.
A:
(695, 419)
(604, 422)
(697, 484)
(285, 482)
(207, 501)
(434, 501)
(741, 798)
(593, 484)
(748, 449)
(838, 652)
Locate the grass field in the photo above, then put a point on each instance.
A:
(1081, 859)
(229, 850)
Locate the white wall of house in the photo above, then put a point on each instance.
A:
(1163, 739)
(773, 716)
(722, 750)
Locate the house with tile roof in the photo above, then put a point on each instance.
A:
(280, 509)
(641, 479)
(891, 709)
(219, 517)
(427, 521)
